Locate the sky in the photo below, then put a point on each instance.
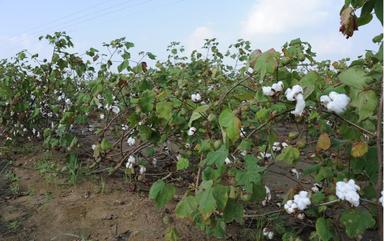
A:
(153, 24)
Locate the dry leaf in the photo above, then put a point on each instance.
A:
(323, 143)
(348, 21)
(359, 149)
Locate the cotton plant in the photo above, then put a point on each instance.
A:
(348, 191)
(296, 94)
(335, 102)
(274, 89)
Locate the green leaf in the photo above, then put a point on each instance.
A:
(161, 193)
(379, 10)
(186, 207)
(354, 77)
(182, 164)
(146, 100)
(105, 145)
(289, 155)
(171, 235)
(266, 63)
(206, 200)
(356, 221)
(231, 124)
(217, 157)
(323, 229)
(309, 82)
(220, 192)
(234, 211)
(164, 110)
(365, 103)
(250, 176)
(197, 113)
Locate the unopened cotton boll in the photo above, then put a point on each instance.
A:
(131, 141)
(196, 97)
(191, 131)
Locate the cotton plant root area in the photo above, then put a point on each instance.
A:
(37, 203)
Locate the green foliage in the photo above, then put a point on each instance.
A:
(356, 221)
(161, 193)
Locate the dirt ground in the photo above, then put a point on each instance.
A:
(45, 210)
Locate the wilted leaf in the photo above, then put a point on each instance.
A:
(323, 143)
(348, 21)
(289, 155)
(359, 149)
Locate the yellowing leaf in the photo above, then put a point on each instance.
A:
(359, 149)
(323, 143)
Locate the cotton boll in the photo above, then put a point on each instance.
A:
(302, 200)
(196, 97)
(301, 216)
(131, 141)
(296, 173)
(290, 206)
(115, 109)
(324, 99)
(348, 191)
(277, 87)
(93, 147)
(191, 131)
(300, 105)
(381, 198)
(242, 133)
(267, 90)
(268, 196)
(102, 116)
(227, 161)
(276, 147)
(291, 94)
(267, 233)
(142, 170)
(265, 155)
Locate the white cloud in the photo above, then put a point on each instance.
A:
(196, 39)
(282, 16)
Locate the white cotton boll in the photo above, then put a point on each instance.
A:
(265, 155)
(300, 105)
(381, 198)
(348, 191)
(335, 102)
(302, 200)
(154, 162)
(129, 165)
(324, 99)
(291, 94)
(243, 153)
(102, 116)
(93, 147)
(124, 127)
(284, 144)
(131, 159)
(316, 187)
(301, 216)
(276, 146)
(191, 131)
(268, 196)
(296, 173)
(267, 233)
(68, 102)
(242, 133)
(227, 161)
(290, 206)
(267, 90)
(142, 170)
(131, 141)
(115, 109)
(277, 87)
(196, 97)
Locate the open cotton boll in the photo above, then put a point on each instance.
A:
(290, 206)
(130, 162)
(191, 131)
(339, 102)
(300, 105)
(302, 200)
(142, 170)
(348, 191)
(268, 196)
(196, 97)
(267, 90)
(277, 87)
(131, 141)
(267, 233)
(115, 109)
(324, 99)
(227, 161)
(381, 198)
(291, 94)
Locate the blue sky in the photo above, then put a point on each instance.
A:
(153, 24)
